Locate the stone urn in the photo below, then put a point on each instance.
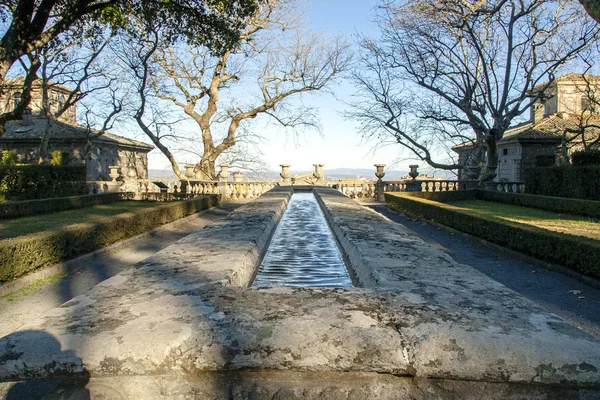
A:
(189, 170)
(318, 174)
(285, 173)
(224, 172)
(379, 173)
(115, 172)
(238, 177)
(413, 171)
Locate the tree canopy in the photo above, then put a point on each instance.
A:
(30, 25)
(275, 61)
(451, 72)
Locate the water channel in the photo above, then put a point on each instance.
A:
(303, 251)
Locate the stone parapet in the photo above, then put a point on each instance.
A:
(184, 323)
(455, 322)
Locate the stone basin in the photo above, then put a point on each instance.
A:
(185, 324)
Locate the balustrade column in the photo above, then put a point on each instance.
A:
(413, 185)
(380, 186)
(318, 174)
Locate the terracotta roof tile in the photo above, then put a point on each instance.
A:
(15, 130)
(553, 127)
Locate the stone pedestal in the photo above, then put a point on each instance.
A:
(112, 187)
(318, 174)
(223, 189)
(413, 185)
(491, 186)
(379, 186)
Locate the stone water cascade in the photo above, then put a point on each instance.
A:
(184, 324)
(303, 251)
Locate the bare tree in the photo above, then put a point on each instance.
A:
(78, 66)
(274, 63)
(27, 26)
(467, 71)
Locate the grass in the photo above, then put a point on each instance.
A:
(563, 223)
(33, 287)
(38, 223)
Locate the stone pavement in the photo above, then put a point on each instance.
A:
(30, 298)
(573, 300)
(183, 324)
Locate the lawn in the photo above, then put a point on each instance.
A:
(23, 226)
(564, 223)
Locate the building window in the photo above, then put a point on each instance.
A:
(504, 152)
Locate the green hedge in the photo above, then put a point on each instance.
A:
(25, 208)
(561, 205)
(577, 253)
(565, 181)
(19, 256)
(446, 197)
(25, 182)
(590, 157)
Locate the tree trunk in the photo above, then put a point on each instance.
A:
(205, 169)
(491, 146)
(43, 156)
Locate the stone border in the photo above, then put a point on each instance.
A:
(187, 311)
(67, 266)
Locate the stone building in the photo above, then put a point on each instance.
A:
(557, 125)
(84, 145)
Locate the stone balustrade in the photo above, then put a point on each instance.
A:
(248, 190)
(99, 187)
(358, 190)
(508, 187)
(239, 189)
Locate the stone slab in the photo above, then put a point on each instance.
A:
(187, 311)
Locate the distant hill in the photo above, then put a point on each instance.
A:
(333, 174)
(161, 173)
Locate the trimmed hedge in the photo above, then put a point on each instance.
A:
(25, 182)
(578, 253)
(565, 181)
(560, 205)
(25, 208)
(590, 157)
(19, 256)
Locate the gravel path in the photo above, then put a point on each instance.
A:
(565, 296)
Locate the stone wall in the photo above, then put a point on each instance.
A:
(133, 164)
(509, 161)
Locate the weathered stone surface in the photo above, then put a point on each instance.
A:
(276, 385)
(456, 322)
(187, 310)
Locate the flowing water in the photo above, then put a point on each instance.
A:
(303, 251)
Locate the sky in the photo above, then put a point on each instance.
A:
(340, 144)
